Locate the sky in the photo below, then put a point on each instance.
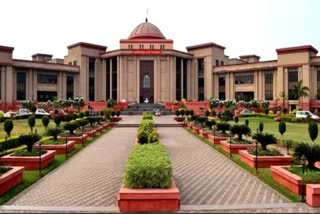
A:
(243, 27)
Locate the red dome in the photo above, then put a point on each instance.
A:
(146, 30)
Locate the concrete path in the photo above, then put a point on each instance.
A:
(91, 178)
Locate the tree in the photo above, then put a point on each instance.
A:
(45, 122)
(246, 122)
(32, 122)
(29, 140)
(223, 127)
(71, 126)
(283, 97)
(282, 128)
(57, 120)
(240, 130)
(54, 132)
(300, 91)
(313, 131)
(8, 126)
(264, 139)
(310, 151)
(261, 127)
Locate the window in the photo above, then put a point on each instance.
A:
(75, 62)
(146, 81)
(217, 62)
(200, 79)
(70, 85)
(47, 78)
(151, 46)
(21, 85)
(44, 96)
(244, 78)
(130, 46)
(292, 80)
(222, 87)
(162, 46)
(268, 84)
(178, 78)
(246, 95)
(141, 46)
(221, 62)
(91, 78)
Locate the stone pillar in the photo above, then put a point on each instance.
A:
(181, 69)
(195, 85)
(97, 79)
(189, 80)
(9, 89)
(35, 85)
(110, 95)
(103, 80)
(119, 76)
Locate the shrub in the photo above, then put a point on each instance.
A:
(226, 115)
(210, 123)
(118, 113)
(81, 114)
(182, 113)
(187, 112)
(311, 177)
(91, 120)
(71, 126)
(207, 113)
(202, 120)
(110, 103)
(282, 127)
(107, 113)
(213, 113)
(147, 116)
(8, 126)
(11, 142)
(223, 127)
(113, 113)
(54, 132)
(266, 111)
(1, 117)
(260, 127)
(310, 151)
(264, 139)
(74, 116)
(148, 166)
(177, 113)
(68, 117)
(285, 110)
(240, 130)
(246, 122)
(236, 119)
(82, 122)
(86, 113)
(313, 130)
(29, 140)
(32, 122)
(57, 120)
(45, 122)
(191, 112)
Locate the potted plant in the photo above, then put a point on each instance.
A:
(29, 158)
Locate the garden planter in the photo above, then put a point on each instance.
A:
(264, 161)
(91, 133)
(77, 139)
(204, 133)
(195, 129)
(234, 146)
(60, 148)
(105, 125)
(189, 126)
(286, 178)
(31, 162)
(99, 128)
(11, 179)
(112, 124)
(179, 119)
(149, 200)
(313, 195)
(216, 139)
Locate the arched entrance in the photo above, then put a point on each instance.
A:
(146, 80)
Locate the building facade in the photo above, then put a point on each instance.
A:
(147, 66)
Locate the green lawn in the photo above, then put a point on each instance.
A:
(21, 127)
(295, 131)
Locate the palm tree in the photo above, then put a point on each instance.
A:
(300, 91)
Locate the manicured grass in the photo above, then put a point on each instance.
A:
(295, 131)
(264, 174)
(32, 176)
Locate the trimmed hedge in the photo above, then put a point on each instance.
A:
(11, 143)
(147, 116)
(148, 166)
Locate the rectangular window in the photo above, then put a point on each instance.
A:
(185, 78)
(217, 62)
(141, 46)
(222, 63)
(222, 87)
(91, 79)
(268, 84)
(201, 79)
(70, 87)
(44, 96)
(151, 46)
(47, 78)
(21, 85)
(114, 78)
(130, 47)
(244, 78)
(245, 95)
(108, 79)
(178, 78)
(292, 80)
(162, 47)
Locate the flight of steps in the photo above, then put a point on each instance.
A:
(138, 109)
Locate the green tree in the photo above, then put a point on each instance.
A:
(313, 131)
(45, 122)
(32, 122)
(261, 127)
(240, 130)
(282, 128)
(8, 126)
(57, 120)
(300, 91)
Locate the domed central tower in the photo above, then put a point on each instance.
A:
(146, 30)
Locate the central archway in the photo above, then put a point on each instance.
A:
(146, 80)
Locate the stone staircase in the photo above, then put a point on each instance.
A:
(138, 109)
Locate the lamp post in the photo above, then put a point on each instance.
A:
(82, 136)
(214, 132)
(230, 154)
(6, 145)
(40, 151)
(66, 146)
(256, 159)
(303, 162)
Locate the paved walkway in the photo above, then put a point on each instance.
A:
(91, 178)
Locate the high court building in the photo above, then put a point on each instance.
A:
(148, 66)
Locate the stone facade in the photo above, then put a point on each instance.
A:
(148, 66)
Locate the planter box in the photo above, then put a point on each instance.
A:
(216, 139)
(105, 125)
(195, 129)
(286, 178)
(264, 161)
(31, 162)
(234, 147)
(149, 200)
(313, 195)
(91, 133)
(204, 133)
(112, 124)
(60, 149)
(76, 139)
(99, 128)
(11, 179)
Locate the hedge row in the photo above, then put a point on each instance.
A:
(146, 132)
(148, 166)
(11, 143)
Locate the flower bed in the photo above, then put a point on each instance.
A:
(29, 162)
(77, 139)
(11, 179)
(264, 161)
(204, 133)
(195, 129)
(286, 178)
(59, 148)
(216, 139)
(235, 147)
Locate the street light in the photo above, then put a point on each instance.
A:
(40, 151)
(303, 162)
(66, 145)
(230, 135)
(256, 159)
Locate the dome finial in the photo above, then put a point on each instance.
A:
(147, 16)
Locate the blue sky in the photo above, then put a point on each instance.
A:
(243, 27)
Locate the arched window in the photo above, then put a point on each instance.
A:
(146, 81)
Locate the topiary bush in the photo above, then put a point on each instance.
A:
(71, 127)
(246, 122)
(191, 112)
(236, 119)
(32, 122)
(240, 130)
(107, 113)
(29, 140)
(81, 114)
(282, 127)
(8, 126)
(91, 120)
(45, 122)
(117, 113)
(207, 113)
(57, 120)
(54, 132)
(82, 123)
(148, 166)
(177, 113)
(223, 127)
(68, 117)
(110, 103)
(113, 113)
(261, 127)
(182, 112)
(313, 130)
